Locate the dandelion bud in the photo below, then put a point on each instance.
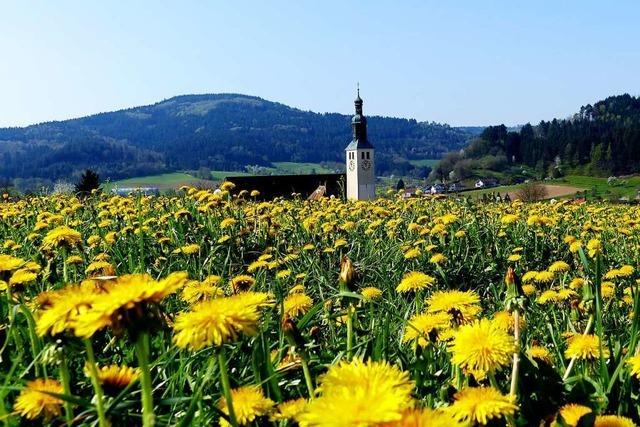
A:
(346, 270)
(510, 277)
(291, 332)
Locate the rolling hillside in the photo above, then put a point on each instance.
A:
(218, 131)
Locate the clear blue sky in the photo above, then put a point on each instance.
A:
(458, 62)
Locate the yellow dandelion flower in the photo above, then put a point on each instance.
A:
(412, 253)
(347, 391)
(423, 328)
(34, 402)
(528, 289)
(559, 266)
(481, 405)
(114, 377)
(61, 235)
(514, 258)
(540, 353)
(63, 309)
(585, 347)
(74, 259)
(575, 246)
(283, 274)
(594, 247)
(10, 263)
(371, 293)
(249, 403)
(257, 265)
(340, 243)
(506, 320)
(220, 320)
(437, 259)
(613, 421)
(22, 277)
(577, 283)
(612, 274)
(461, 306)
(190, 249)
(289, 410)
(241, 283)
(572, 412)
(424, 417)
(607, 289)
(227, 223)
(634, 365)
(414, 281)
(529, 276)
(482, 347)
(297, 304)
(297, 289)
(544, 277)
(100, 267)
(124, 303)
(508, 219)
(626, 270)
(195, 292)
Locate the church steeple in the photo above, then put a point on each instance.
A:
(360, 162)
(359, 126)
(358, 102)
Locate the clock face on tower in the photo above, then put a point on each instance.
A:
(352, 165)
(366, 165)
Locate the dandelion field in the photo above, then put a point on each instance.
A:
(207, 309)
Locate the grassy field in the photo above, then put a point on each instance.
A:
(625, 188)
(178, 179)
(295, 168)
(424, 162)
(595, 187)
(163, 181)
(208, 309)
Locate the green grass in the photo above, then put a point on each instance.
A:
(424, 162)
(165, 180)
(299, 168)
(220, 175)
(177, 179)
(625, 188)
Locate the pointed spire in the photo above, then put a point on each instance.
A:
(358, 99)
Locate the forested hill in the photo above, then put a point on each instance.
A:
(601, 139)
(217, 131)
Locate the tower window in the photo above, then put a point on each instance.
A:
(367, 155)
(363, 154)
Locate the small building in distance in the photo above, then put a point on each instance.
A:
(456, 187)
(271, 186)
(486, 183)
(438, 189)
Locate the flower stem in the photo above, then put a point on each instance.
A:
(142, 351)
(516, 355)
(65, 379)
(349, 331)
(307, 375)
(93, 372)
(572, 362)
(226, 387)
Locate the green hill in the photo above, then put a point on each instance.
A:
(602, 139)
(218, 132)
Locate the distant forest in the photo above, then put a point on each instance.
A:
(218, 132)
(600, 140)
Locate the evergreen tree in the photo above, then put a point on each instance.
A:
(88, 182)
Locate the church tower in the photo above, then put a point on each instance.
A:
(360, 162)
